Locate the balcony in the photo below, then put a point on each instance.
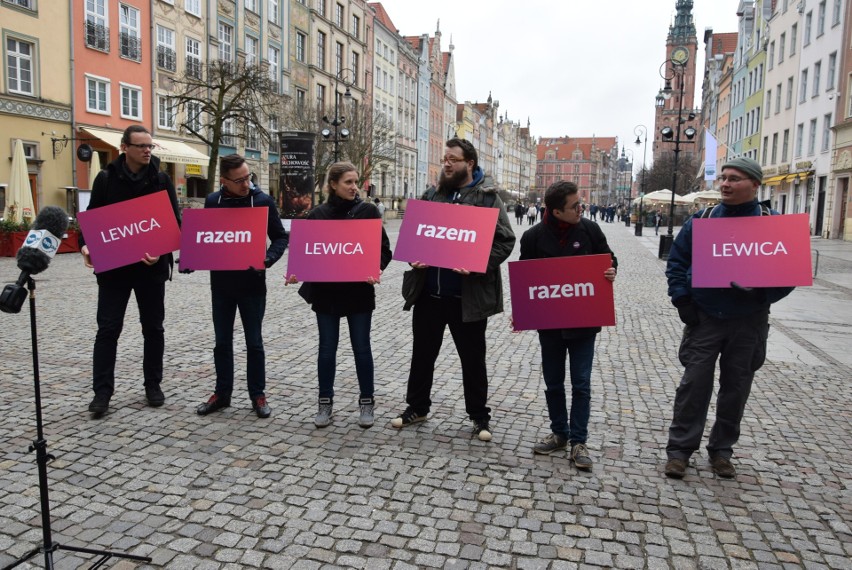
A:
(97, 36)
(131, 46)
(166, 58)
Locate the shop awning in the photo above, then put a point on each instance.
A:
(774, 180)
(798, 175)
(112, 138)
(178, 152)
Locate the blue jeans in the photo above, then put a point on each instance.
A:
(329, 336)
(581, 352)
(252, 309)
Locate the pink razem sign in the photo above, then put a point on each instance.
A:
(223, 239)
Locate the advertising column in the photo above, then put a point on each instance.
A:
(297, 173)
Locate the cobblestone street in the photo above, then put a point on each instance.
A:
(233, 491)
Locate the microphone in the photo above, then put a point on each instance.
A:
(40, 245)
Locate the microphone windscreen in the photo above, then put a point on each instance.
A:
(53, 219)
(32, 260)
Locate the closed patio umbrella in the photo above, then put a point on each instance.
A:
(94, 168)
(19, 198)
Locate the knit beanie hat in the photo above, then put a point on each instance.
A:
(748, 166)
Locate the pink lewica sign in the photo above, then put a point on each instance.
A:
(223, 239)
(335, 250)
(121, 234)
(561, 293)
(452, 236)
(758, 251)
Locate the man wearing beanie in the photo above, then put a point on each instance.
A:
(728, 324)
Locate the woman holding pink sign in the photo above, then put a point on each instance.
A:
(354, 300)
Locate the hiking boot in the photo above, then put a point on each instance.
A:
(580, 457)
(482, 430)
(215, 402)
(722, 467)
(367, 416)
(155, 396)
(99, 405)
(676, 468)
(324, 412)
(260, 407)
(408, 417)
(551, 443)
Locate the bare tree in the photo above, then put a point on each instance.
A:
(222, 102)
(660, 174)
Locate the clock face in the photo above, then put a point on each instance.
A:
(680, 55)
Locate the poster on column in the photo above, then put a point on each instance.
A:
(757, 251)
(223, 239)
(452, 236)
(561, 293)
(121, 234)
(335, 250)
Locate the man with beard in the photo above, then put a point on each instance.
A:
(456, 298)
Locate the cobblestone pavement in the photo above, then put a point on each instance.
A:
(233, 491)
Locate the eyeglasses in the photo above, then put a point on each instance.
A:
(142, 146)
(452, 160)
(576, 206)
(731, 179)
(242, 180)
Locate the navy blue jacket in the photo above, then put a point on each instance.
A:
(722, 303)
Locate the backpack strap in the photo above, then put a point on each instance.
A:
(707, 211)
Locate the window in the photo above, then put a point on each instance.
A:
(301, 98)
(826, 132)
(821, 19)
(800, 133)
(97, 95)
(129, 37)
(338, 58)
(321, 7)
(803, 87)
(131, 102)
(97, 31)
(251, 50)
(273, 134)
(166, 49)
(193, 7)
(835, 12)
(228, 132)
(785, 145)
(774, 148)
(252, 138)
(193, 116)
(809, 17)
(356, 67)
(832, 70)
(193, 58)
(19, 66)
(794, 37)
(251, 5)
(28, 4)
(778, 99)
(768, 102)
(817, 73)
(165, 112)
(226, 42)
(772, 55)
(301, 40)
(339, 16)
(321, 50)
(781, 41)
(812, 137)
(356, 26)
(274, 15)
(321, 96)
(789, 102)
(274, 57)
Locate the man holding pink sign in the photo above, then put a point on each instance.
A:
(564, 232)
(728, 324)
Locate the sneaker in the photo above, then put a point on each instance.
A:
(324, 412)
(550, 444)
(675, 468)
(580, 457)
(260, 407)
(214, 403)
(155, 396)
(99, 405)
(482, 430)
(408, 417)
(367, 417)
(722, 467)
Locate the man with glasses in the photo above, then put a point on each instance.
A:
(456, 298)
(564, 232)
(730, 325)
(135, 173)
(244, 290)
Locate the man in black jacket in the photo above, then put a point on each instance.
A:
(244, 290)
(564, 232)
(133, 174)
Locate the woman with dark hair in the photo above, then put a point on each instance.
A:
(355, 301)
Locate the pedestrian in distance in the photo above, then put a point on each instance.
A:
(519, 213)
(243, 290)
(658, 217)
(532, 212)
(729, 325)
(564, 232)
(456, 298)
(354, 301)
(135, 173)
(380, 207)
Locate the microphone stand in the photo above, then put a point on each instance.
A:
(48, 547)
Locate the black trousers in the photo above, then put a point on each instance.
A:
(112, 305)
(431, 317)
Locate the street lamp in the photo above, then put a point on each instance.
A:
(340, 133)
(641, 132)
(626, 198)
(674, 69)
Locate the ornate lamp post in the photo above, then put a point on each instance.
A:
(641, 132)
(341, 133)
(674, 69)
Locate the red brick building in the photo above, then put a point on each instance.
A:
(588, 162)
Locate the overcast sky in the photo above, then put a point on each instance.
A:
(574, 67)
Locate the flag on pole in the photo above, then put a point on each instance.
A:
(709, 156)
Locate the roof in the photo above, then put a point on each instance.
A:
(565, 146)
(724, 43)
(414, 42)
(382, 16)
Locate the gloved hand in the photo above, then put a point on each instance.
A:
(686, 310)
(750, 291)
(267, 263)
